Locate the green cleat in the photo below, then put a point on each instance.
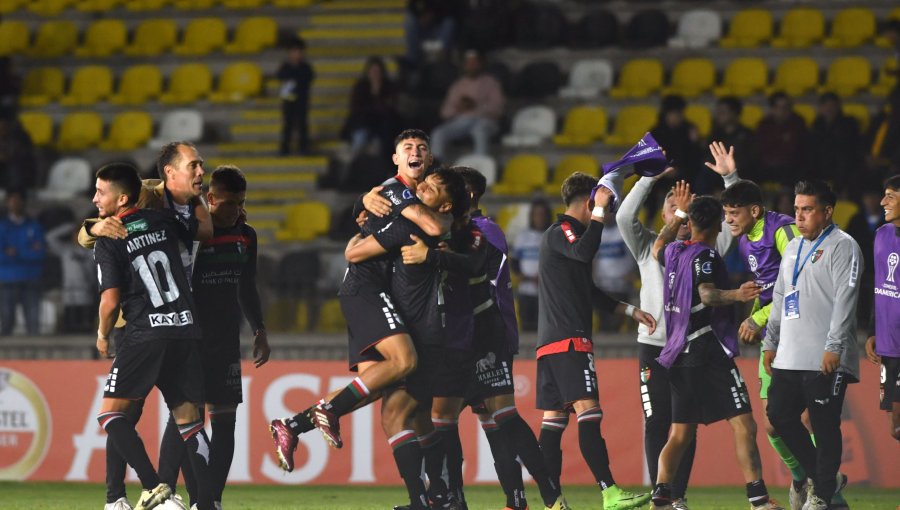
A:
(615, 498)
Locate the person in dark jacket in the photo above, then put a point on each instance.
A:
(22, 253)
(373, 109)
(835, 150)
(296, 77)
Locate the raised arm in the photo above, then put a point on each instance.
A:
(725, 166)
(638, 238)
(682, 198)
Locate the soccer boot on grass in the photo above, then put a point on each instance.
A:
(560, 504)
(119, 504)
(153, 498)
(173, 503)
(680, 504)
(814, 502)
(329, 425)
(772, 504)
(797, 496)
(285, 444)
(615, 498)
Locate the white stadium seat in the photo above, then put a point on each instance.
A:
(481, 162)
(68, 178)
(531, 126)
(588, 79)
(178, 125)
(697, 29)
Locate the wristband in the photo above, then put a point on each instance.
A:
(629, 310)
(598, 211)
(681, 214)
(101, 336)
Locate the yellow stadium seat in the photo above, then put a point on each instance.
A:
(748, 29)
(49, 7)
(242, 4)
(701, 117)
(103, 38)
(97, 5)
(851, 28)
(331, 317)
(138, 85)
(39, 127)
(893, 15)
(193, 5)
(751, 115)
(692, 77)
(795, 76)
(152, 37)
(800, 28)
(188, 83)
(584, 125)
(744, 77)
(90, 84)
(292, 3)
(860, 112)
(844, 211)
(567, 166)
(305, 221)
(202, 36)
(632, 122)
(14, 36)
(638, 78)
(54, 39)
(253, 35)
(128, 131)
(146, 5)
(42, 85)
(238, 82)
(807, 112)
(887, 78)
(848, 75)
(79, 131)
(8, 6)
(522, 175)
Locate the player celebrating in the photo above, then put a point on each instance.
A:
(702, 340)
(142, 274)
(566, 377)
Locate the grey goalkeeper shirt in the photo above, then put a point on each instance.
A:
(828, 286)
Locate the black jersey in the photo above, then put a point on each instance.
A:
(375, 272)
(225, 283)
(155, 293)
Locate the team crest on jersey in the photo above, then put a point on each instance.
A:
(137, 226)
(645, 375)
(476, 239)
(817, 255)
(752, 262)
(407, 194)
(567, 230)
(892, 261)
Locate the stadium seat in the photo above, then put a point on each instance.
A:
(97, 5)
(632, 122)
(567, 166)
(103, 38)
(90, 84)
(146, 5)
(539, 26)
(253, 35)
(179, 125)
(138, 84)
(697, 29)
(128, 131)
(304, 221)
(701, 117)
(584, 125)
(481, 162)
(806, 111)
(847, 76)
(331, 318)
(242, 4)
(851, 28)
(587, 79)
(638, 78)
(531, 126)
(39, 127)
(887, 78)
(692, 77)
(844, 211)
(744, 77)
(795, 76)
(42, 85)
(67, 178)
(54, 39)
(748, 29)
(8, 6)
(188, 83)
(596, 29)
(645, 29)
(14, 37)
(292, 3)
(800, 28)
(523, 174)
(79, 130)
(49, 8)
(193, 5)
(201, 37)
(539, 79)
(882, 41)
(751, 115)
(237, 82)
(860, 112)
(152, 37)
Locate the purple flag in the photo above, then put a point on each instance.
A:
(646, 158)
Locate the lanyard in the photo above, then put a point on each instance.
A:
(797, 265)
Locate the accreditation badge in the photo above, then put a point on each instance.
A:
(792, 305)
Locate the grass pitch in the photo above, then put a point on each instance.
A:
(78, 496)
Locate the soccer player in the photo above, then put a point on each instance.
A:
(566, 376)
(810, 344)
(141, 274)
(483, 260)
(883, 347)
(224, 283)
(656, 395)
(702, 341)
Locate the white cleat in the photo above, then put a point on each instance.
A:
(119, 504)
(153, 498)
(173, 503)
(797, 497)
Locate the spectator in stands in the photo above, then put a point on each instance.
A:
(783, 202)
(10, 87)
(883, 155)
(680, 139)
(614, 273)
(524, 263)
(471, 109)
(891, 33)
(835, 149)
(780, 142)
(727, 128)
(22, 253)
(373, 110)
(79, 279)
(430, 20)
(296, 77)
(18, 166)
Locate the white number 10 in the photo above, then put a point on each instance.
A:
(148, 269)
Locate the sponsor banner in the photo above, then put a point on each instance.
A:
(49, 431)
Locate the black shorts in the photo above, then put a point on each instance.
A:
(222, 376)
(890, 382)
(453, 371)
(172, 365)
(565, 378)
(371, 317)
(421, 383)
(708, 393)
(492, 364)
(656, 390)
